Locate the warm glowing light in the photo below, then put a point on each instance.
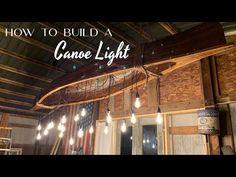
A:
(38, 136)
(50, 125)
(123, 127)
(133, 118)
(109, 117)
(106, 129)
(63, 128)
(45, 133)
(148, 141)
(63, 119)
(137, 102)
(39, 127)
(76, 118)
(83, 112)
(71, 141)
(144, 141)
(61, 134)
(59, 126)
(159, 118)
(131, 138)
(91, 130)
(80, 133)
(153, 146)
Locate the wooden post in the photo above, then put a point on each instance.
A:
(209, 101)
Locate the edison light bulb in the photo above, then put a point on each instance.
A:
(148, 141)
(38, 136)
(83, 112)
(91, 130)
(71, 141)
(106, 129)
(80, 133)
(137, 103)
(76, 118)
(39, 127)
(159, 118)
(108, 118)
(63, 119)
(123, 127)
(50, 125)
(61, 134)
(153, 146)
(63, 128)
(59, 126)
(133, 118)
(45, 132)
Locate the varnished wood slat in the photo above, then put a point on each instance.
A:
(21, 103)
(12, 125)
(184, 130)
(169, 27)
(30, 60)
(139, 30)
(20, 111)
(19, 84)
(24, 73)
(19, 94)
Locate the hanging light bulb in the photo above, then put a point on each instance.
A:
(71, 142)
(159, 118)
(39, 127)
(38, 137)
(59, 126)
(76, 118)
(137, 103)
(106, 129)
(63, 128)
(133, 118)
(153, 146)
(45, 132)
(123, 127)
(61, 134)
(80, 133)
(63, 119)
(50, 125)
(109, 117)
(91, 130)
(148, 141)
(83, 112)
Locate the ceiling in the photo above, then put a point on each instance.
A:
(27, 64)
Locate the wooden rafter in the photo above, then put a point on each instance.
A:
(20, 111)
(139, 30)
(21, 103)
(30, 60)
(24, 73)
(169, 27)
(23, 95)
(22, 125)
(19, 84)
(119, 33)
(77, 40)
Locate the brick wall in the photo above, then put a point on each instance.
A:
(179, 89)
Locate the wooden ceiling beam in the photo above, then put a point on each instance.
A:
(24, 73)
(18, 111)
(119, 33)
(19, 94)
(16, 102)
(19, 84)
(30, 60)
(139, 30)
(169, 27)
(76, 40)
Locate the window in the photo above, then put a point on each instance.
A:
(126, 142)
(149, 140)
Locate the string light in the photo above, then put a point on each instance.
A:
(71, 141)
(39, 127)
(61, 134)
(109, 117)
(159, 118)
(63, 119)
(83, 112)
(45, 132)
(137, 102)
(38, 136)
(76, 118)
(50, 125)
(91, 130)
(80, 133)
(123, 127)
(133, 118)
(106, 129)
